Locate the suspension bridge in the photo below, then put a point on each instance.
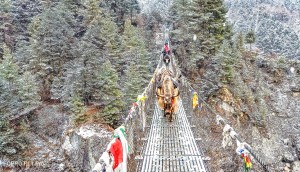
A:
(158, 145)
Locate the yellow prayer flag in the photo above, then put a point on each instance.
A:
(195, 100)
(141, 97)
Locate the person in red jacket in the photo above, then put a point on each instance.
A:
(166, 49)
(166, 53)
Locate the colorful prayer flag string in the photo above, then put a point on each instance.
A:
(245, 154)
(141, 98)
(247, 162)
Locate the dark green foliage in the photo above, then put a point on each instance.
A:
(134, 50)
(98, 43)
(11, 141)
(8, 69)
(52, 44)
(120, 10)
(78, 109)
(250, 38)
(133, 85)
(204, 20)
(207, 21)
(226, 60)
(111, 94)
(17, 93)
(240, 42)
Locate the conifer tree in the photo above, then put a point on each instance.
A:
(133, 84)
(69, 83)
(11, 141)
(250, 38)
(8, 68)
(28, 90)
(204, 19)
(98, 43)
(134, 50)
(134, 9)
(19, 90)
(52, 44)
(111, 94)
(5, 97)
(240, 42)
(181, 36)
(120, 10)
(78, 108)
(8, 87)
(207, 20)
(225, 63)
(5, 23)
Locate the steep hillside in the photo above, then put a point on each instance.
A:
(262, 104)
(70, 70)
(275, 22)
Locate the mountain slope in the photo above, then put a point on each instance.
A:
(275, 23)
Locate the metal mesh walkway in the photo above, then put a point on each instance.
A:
(171, 146)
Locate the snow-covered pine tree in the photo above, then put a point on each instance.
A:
(78, 109)
(98, 44)
(133, 85)
(28, 90)
(5, 6)
(120, 10)
(239, 42)
(8, 84)
(52, 44)
(204, 20)
(225, 63)
(207, 21)
(19, 90)
(69, 83)
(8, 68)
(134, 50)
(250, 38)
(111, 95)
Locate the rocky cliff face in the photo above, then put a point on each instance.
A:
(55, 146)
(262, 105)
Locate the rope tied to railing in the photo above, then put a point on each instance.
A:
(227, 128)
(234, 135)
(138, 109)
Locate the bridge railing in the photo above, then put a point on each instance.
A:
(135, 124)
(231, 132)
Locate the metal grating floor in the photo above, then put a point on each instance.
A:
(171, 146)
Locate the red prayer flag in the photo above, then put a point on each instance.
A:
(117, 151)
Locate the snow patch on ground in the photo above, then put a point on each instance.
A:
(67, 144)
(89, 131)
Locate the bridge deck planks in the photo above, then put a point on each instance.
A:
(171, 146)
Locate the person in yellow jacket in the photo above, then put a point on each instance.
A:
(195, 100)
